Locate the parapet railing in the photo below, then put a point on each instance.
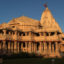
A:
(29, 38)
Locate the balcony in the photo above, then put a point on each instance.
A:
(2, 37)
(29, 38)
(46, 38)
(52, 38)
(9, 37)
(5, 37)
(26, 38)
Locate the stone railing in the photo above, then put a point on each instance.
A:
(19, 38)
(9, 37)
(2, 37)
(39, 38)
(46, 38)
(52, 38)
(26, 38)
(29, 38)
(5, 37)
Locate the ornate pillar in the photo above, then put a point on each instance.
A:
(4, 32)
(25, 33)
(16, 35)
(12, 48)
(35, 47)
(45, 47)
(56, 48)
(49, 47)
(15, 42)
(56, 44)
(29, 47)
(18, 47)
(9, 33)
(15, 46)
(4, 47)
(40, 47)
(21, 47)
(32, 47)
(9, 46)
(0, 45)
(44, 34)
(4, 42)
(26, 47)
(49, 33)
(56, 33)
(29, 33)
(52, 48)
(53, 52)
(40, 33)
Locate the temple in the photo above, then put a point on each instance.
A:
(24, 34)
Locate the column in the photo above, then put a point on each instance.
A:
(40, 47)
(29, 33)
(49, 33)
(4, 32)
(4, 47)
(12, 48)
(26, 47)
(56, 48)
(25, 33)
(4, 44)
(21, 47)
(15, 36)
(32, 47)
(35, 47)
(5, 38)
(18, 47)
(29, 47)
(18, 33)
(9, 34)
(15, 46)
(53, 50)
(56, 33)
(44, 34)
(45, 47)
(0, 45)
(40, 33)
(49, 48)
(9, 48)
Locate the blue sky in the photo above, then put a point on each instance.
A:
(10, 9)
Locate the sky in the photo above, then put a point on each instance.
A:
(10, 9)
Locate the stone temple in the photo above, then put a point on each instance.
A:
(24, 34)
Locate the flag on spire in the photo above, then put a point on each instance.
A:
(45, 5)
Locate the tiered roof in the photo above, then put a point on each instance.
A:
(24, 23)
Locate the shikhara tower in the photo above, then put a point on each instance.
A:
(25, 34)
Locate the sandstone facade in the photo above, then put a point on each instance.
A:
(24, 34)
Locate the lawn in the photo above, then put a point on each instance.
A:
(32, 61)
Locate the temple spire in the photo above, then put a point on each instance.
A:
(48, 21)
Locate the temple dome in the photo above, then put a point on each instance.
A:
(47, 21)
